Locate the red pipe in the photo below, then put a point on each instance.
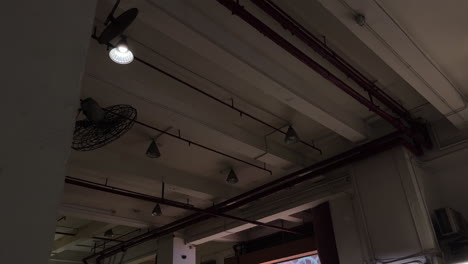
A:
(144, 197)
(288, 23)
(311, 172)
(242, 13)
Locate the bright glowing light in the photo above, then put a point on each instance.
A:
(121, 55)
(122, 48)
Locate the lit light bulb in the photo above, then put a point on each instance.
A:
(121, 54)
(122, 48)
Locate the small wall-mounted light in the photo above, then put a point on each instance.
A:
(121, 54)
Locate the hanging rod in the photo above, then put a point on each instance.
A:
(214, 98)
(190, 142)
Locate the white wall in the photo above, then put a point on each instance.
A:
(385, 217)
(447, 180)
(43, 51)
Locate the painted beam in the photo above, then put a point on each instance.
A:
(190, 27)
(126, 169)
(97, 214)
(394, 46)
(83, 234)
(288, 202)
(181, 107)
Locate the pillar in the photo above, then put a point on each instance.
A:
(385, 217)
(173, 250)
(43, 54)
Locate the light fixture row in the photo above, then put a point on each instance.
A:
(153, 152)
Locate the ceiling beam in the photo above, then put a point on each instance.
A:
(183, 108)
(84, 233)
(97, 214)
(289, 202)
(193, 29)
(143, 174)
(395, 47)
(292, 219)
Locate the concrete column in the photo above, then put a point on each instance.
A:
(173, 250)
(43, 52)
(348, 242)
(385, 218)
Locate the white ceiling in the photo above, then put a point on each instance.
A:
(238, 63)
(439, 29)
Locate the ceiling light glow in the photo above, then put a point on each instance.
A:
(122, 48)
(121, 54)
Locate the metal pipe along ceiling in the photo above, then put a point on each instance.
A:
(287, 181)
(290, 24)
(144, 197)
(190, 142)
(320, 168)
(214, 98)
(253, 21)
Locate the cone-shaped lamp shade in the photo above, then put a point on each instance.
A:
(92, 110)
(121, 54)
(109, 233)
(157, 210)
(232, 177)
(153, 150)
(291, 136)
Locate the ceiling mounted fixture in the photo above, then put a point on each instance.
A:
(232, 177)
(101, 125)
(157, 210)
(121, 54)
(109, 233)
(291, 136)
(153, 150)
(117, 24)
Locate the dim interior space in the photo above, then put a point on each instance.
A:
(234, 132)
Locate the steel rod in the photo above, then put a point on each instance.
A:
(290, 24)
(289, 180)
(243, 113)
(94, 237)
(190, 142)
(214, 98)
(253, 21)
(145, 197)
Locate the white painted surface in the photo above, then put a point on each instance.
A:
(348, 241)
(383, 34)
(173, 250)
(266, 210)
(393, 210)
(43, 56)
(187, 25)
